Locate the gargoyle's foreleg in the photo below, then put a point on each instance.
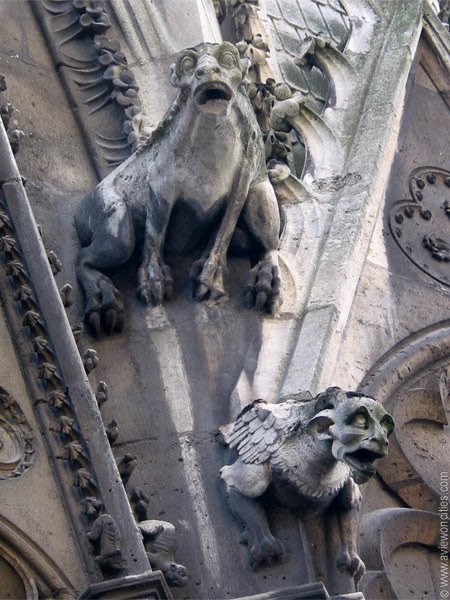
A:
(348, 559)
(209, 283)
(244, 483)
(262, 217)
(155, 277)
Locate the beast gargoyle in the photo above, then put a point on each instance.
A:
(161, 544)
(309, 455)
(201, 172)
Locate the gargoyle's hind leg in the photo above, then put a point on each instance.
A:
(110, 244)
(244, 484)
(262, 217)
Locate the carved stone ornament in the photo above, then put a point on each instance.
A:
(156, 191)
(285, 448)
(105, 536)
(421, 226)
(290, 23)
(161, 544)
(17, 446)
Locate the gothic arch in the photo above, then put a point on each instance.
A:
(32, 565)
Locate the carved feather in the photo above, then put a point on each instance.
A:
(261, 429)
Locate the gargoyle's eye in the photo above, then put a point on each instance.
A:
(388, 425)
(359, 420)
(228, 60)
(188, 64)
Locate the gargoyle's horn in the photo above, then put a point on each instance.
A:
(329, 399)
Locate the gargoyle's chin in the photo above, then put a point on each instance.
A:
(213, 97)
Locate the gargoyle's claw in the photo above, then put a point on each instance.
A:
(105, 309)
(156, 284)
(352, 565)
(94, 322)
(207, 281)
(202, 291)
(168, 282)
(266, 551)
(110, 320)
(262, 286)
(157, 292)
(143, 294)
(261, 299)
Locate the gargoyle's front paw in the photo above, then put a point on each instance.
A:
(262, 287)
(351, 563)
(207, 280)
(155, 284)
(265, 550)
(105, 309)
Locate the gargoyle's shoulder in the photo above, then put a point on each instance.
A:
(260, 429)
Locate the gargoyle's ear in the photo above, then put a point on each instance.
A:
(245, 66)
(319, 426)
(173, 76)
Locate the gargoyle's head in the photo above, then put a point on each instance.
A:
(357, 426)
(212, 72)
(176, 575)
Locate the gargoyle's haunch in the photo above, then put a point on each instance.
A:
(201, 172)
(309, 454)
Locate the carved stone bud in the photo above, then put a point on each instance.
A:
(90, 360)
(126, 466)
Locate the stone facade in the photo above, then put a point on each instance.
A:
(324, 120)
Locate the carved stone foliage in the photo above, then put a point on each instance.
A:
(227, 177)
(52, 400)
(421, 226)
(7, 115)
(97, 77)
(309, 455)
(17, 445)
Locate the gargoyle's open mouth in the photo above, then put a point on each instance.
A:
(361, 463)
(212, 96)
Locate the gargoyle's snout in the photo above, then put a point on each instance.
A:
(207, 69)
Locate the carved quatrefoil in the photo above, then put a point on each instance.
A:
(17, 448)
(421, 227)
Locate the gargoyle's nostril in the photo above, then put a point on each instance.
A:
(202, 71)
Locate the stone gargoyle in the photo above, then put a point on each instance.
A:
(200, 175)
(308, 455)
(161, 544)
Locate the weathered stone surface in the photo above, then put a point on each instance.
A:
(351, 296)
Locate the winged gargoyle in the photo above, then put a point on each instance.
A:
(309, 455)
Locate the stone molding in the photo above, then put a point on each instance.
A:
(61, 380)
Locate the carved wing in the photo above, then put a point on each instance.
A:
(260, 429)
(290, 23)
